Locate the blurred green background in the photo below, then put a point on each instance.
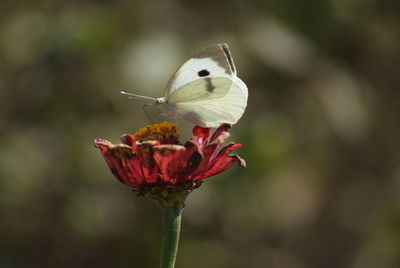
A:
(320, 134)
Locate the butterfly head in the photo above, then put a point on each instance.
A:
(160, 101)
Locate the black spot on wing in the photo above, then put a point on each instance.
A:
(203, 73)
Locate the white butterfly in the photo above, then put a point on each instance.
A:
(205, 90)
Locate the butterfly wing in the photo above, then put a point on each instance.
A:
(210, 102)
(205, 89)
(215, 60)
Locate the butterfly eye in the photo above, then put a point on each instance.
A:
(203, 73)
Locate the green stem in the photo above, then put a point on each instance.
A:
(171, 221)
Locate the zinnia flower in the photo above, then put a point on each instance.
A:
(154, 162)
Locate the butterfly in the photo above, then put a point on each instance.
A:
(205, 90)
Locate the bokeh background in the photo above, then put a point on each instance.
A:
(320, 134)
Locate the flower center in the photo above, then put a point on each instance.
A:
(164, 132)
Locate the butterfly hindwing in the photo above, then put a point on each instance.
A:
(201, 89)
(210, 101)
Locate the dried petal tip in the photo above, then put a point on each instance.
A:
(164, 132)
(240, 160)
(102, 144)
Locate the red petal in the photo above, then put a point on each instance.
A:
(229, 147)
(191, 161)
(124, 164)
(177, 162)
(209, 154)
(221, 164)
(133, 170)
(148, 166)
(128, 139)
(122, 161)
(200, 135)
(103, 145)
(213, 165)
(220, 131)
(170, 159)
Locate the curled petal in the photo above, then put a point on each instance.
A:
(128, 139)
(103, 145)
(200, 135)
(212, 164)
(221, 133)
(222, 163)
(229, 147)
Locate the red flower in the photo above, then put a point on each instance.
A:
(153, 158)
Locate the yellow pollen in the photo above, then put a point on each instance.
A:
(165, 132)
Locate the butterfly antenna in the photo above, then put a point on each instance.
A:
(133, 96)
(145, 112)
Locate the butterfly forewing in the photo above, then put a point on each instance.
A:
(214, 60)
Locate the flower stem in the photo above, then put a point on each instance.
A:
(171, 222)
